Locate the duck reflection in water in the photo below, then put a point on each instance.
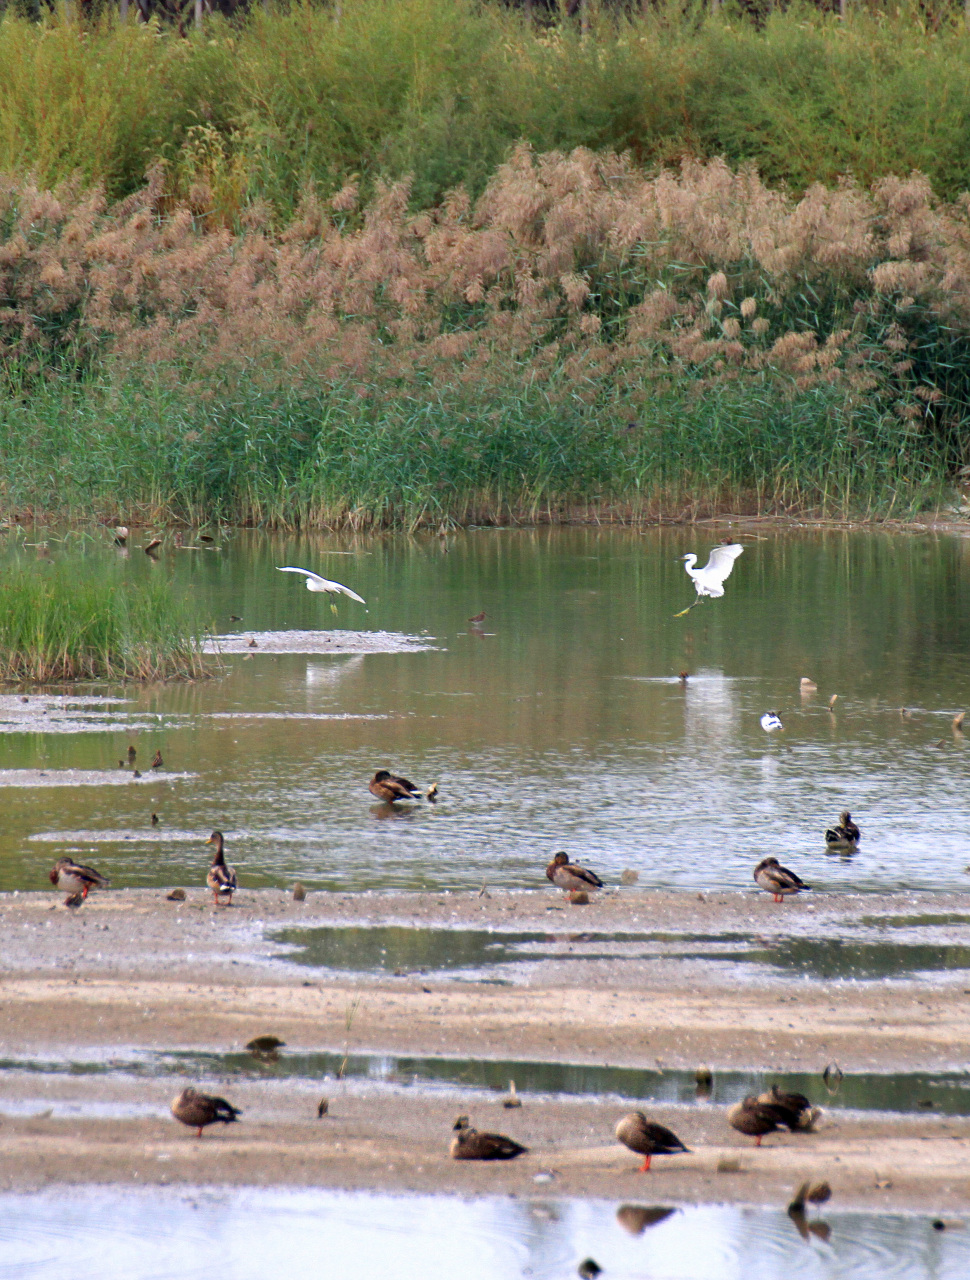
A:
(636, 1218)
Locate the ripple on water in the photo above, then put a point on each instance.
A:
(250, 1234)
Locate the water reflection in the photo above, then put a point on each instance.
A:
(566, 728)
(112, 1234)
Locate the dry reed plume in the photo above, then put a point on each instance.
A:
(569, 270)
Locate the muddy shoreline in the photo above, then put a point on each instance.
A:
(131, 969)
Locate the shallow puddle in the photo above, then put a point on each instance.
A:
(945, 1093)
(111, 1234)
(493, 956)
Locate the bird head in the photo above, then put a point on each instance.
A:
(560, 860)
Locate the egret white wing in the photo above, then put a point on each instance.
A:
(721, 561)
(316, 583)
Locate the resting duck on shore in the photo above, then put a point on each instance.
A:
(389, 787)
(803, 1114)
(70, 876)
(221, 879)
(568, 875)
(200, 1109)
(777, 880)
(755, 1118)
(469, 1144)
(646, 1138)
(844, 836)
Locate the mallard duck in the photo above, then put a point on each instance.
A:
(469, 1144)
(197, 1110)
(389, 787)
(221, 879)
(844, 836)
(70, 876)
(771, 722)
(803, 1114)
(646, 1138)
(568, 875)
(756, 1118)
(777, 880)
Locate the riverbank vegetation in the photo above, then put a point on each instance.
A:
(276, 326)
(62, 623)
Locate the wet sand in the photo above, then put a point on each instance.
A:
(130, 969)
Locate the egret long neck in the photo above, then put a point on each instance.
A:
(689, 562)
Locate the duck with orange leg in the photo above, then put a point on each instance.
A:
(755, 1118)
(221, 879)
(647, 1139)
(777, 880)
(77, 880)
(570, 876)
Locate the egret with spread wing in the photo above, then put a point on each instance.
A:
(315, 583)
(710, 580)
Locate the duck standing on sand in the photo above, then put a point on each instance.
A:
(200, 1109)
(570, 876)
(647, 1139)
(389, 787)
(845, 835)
(221, 879)
(755, 1118)
(803, 1114)
(777, 880)
(71, 877)
(469, 1144)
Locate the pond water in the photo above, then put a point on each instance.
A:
(163, 1234)
(559, 722)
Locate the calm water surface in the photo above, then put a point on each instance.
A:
(260, 1235)
(558, 723)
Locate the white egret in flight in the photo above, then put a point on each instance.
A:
(315, 583)
(710, 580)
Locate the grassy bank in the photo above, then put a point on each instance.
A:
(60, 623)
(313, 455)
(303, 97)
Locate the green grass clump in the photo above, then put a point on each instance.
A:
(65, 623)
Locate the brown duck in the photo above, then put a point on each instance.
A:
(568, 875)
(777, 880)
(198, 1110)
(469, 1144)
(221, 879)
(77, 880)
(388, 787)
(845, 834)
(646, 1138)
(803, 1114)
(755, 1118)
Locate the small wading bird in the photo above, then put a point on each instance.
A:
(197, 1110)
(771, 722)
(570, 876)
(845, 835)
(70, 876)
(315, 583)
(647, 1139)
(710, 580)
(157, 760)
(221, 879)
(777, 880)
(388, 787)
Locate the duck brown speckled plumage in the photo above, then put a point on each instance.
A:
(221, 879)
(389, 787)
(197, 1110)
(646, 1138)
(77, 880)
(469, 1144)
(755, 1118)
(845, 835)
(777, 880)
(568, 875)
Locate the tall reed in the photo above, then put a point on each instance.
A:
(66, 622)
